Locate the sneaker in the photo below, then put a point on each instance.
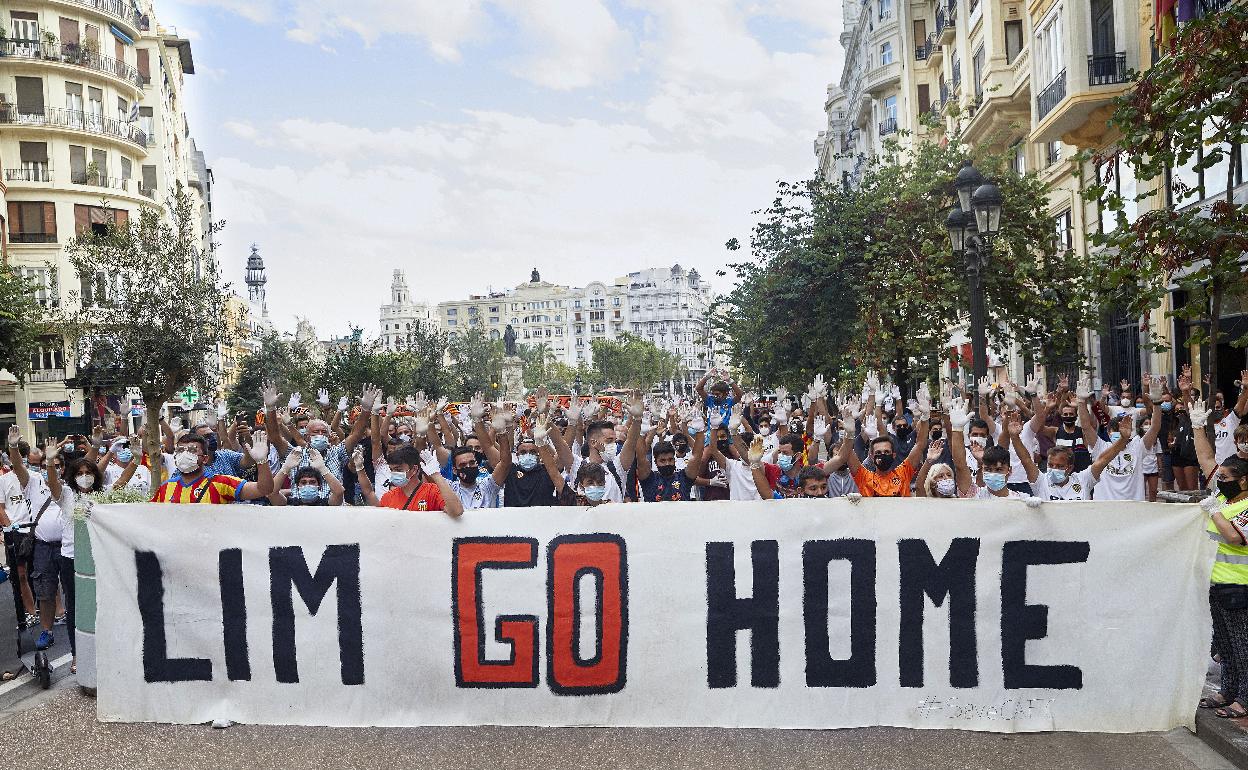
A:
(30, 622)
(46, 640)
(59, 620)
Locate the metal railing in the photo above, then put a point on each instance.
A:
(941, 20)
(46, 375)
(73, 54)
(922, 50)
(32, 238)
(72, 119)
(957, 74)
(888, 126)
(953, 12)
(944, 90)
(95, 180)
(1052, 153)
(32, 173)
(118, 9)
(1107, 68)
(150, 192)
(1053, 93)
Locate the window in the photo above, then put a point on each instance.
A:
(451, 311)
(1049, 47)
(1052, 153)
(886, 9)
(29, 96)
(127, 169)
(143, 65)
(493, 319)
(890, 108)
(48, 355)
(32, 222)
(1018, 160)
(95, 289)
(977, 72)
(886, 54)
(1119, 176)
(34, 157)
(925, 97)
(1064, 235)
(149, 179)
(1013, 40)
(616, 302)
(45, 289)
(452, 322)
(25, 25)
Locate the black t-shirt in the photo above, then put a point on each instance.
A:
(293, 500)
(655, 488)
(524, 489)
(1073, 440)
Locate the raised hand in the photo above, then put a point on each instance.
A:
(542, 400)
(819, 387)
(15, 436)
(498, 418)
(1198, 413)
(357, 458)
(1185, 379)
(734, 419)
(985, 385)
(755, 452)
(922, 402)
(322, 396)
(807, 401)
(934, 450)
(369, 397)
(1083, 389)
(420, 423)
(259, 449)
(293, 458)
(175, 424)
(316, 461)
(717, 419)
(820, 425)
(541, 430)
(959, 416)
(635, 404)
(1063, 382)
(697, 423)
(946, 390)
(392, 406)
(210, 419)
(589, 410)
(268, 392)
(419, 403)
(782, 395)
(1155, 393)
(429, 463)
(871, 383)
(294, 401)
(476, 406)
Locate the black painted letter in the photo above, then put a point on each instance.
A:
(726, 614)
(821, 669)
(157, 665)
(954, 578)
(233, 614)
(1021, 621)
(340, 564)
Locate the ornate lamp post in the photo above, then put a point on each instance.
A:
(972, 224)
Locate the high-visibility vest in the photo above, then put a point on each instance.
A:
(1231, 565)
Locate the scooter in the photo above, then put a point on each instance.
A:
(35, 661)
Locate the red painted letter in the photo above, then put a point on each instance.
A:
(570, 557)
(470, 557)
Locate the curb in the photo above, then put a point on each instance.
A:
(1223, 736)
(11, 693)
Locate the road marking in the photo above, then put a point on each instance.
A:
(21, 680)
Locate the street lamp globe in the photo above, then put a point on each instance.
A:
(966, 182)
(955, 223)
(986, 203)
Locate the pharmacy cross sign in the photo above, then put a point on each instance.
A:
(189, 396)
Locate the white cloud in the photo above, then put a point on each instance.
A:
(575, 43)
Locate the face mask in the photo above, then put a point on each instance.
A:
(308, 493)
(935, 434)
(1166, 406)
(1139, 404)
(903, 430)
(85, 481)
(681, 449)
(995, 481)
(211, 441)
(724, 446)
(319, 443)
(467, 474)
(795, 427)
(1125, 402)
(303, 431)
(609, 451)
(480, 457)
(1057, 476)
(405, 438)
(1068, 420)
(529, 461)
(595, 493)
(398, 478)
(1229, 489)
(1243, 448)
(784, 461)
(667, 471)
(765, 430)
(186, 462)
(883, 461)
(1114, 435)
(979, 441)
(125, 456)
(945, 487)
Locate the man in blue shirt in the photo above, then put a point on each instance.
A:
(719, 399)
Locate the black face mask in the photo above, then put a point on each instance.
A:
(935, 434)
(1068, 421)
(883, 461)
(681, 448)
(1229, 489)
(667, 471)
(904, 430)
(467, 473)
(724, 446)
(210, 441)
(480, 457)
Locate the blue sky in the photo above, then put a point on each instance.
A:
(468, 142)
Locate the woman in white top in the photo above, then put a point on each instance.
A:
(82, 477)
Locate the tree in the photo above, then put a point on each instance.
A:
(281, 362)
(1189, 110)
(22, 321)
(154, 314)
(404, 372)
(846, 278)
(630, 361)
(539, 361)
(476, 364)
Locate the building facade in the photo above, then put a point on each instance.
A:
(403, 316)
(1037, 78)
(92, 129)
(671, 307)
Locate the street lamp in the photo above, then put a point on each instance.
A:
(972, 224)
(577, 385)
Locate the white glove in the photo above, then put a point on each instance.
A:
(293, 458)
(821, 425)
(1031, 385)
(588, 410)
(175, 424)
(259, 450)
(819, 388)
(15, 436)
(440, 407)
(316, 461)
(697, 423)
(1033, 502)
(854, 497)
(541, 400)
(420, 424)
(1155, 393)
(210, 419)
(572, 413)
(419, 404)
(293, 402)
(476, 407)
(268, 392)
(734, 419)
(392, 406)
(357, 458)
(985, 385)
(871, 383)
(1198, 413)
(720, 479)
(498, 420)
(636, 405)
(322, 397)
(1212, 504)
(429, 463)
(223, 411)
(959, 417)
(717, 419)
(368, 398)
(923, 402)
(541, 431)
(782, 395)
(1083, 389)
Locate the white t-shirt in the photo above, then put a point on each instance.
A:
(1018, 473)
(140, 482)
(483, 494)
(984, 493)
(69, 499)
(14, 498)
(614, 493)
(1224, 436)
(50, 526)
(741, 484)
(1078, 486)
(1123, 478)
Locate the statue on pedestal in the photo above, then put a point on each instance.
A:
(509, 341)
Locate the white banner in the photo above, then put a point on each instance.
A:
(981, 615)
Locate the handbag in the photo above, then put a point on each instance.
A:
(26, 548)
(1231, 596)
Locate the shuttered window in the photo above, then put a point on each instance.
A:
(29, 95)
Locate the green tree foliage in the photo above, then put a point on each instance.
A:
(630, 361)
(280, 361)
(156, 310)
(415, 368)
(22, 321)
(849, 278)
(1189, 110)
(476, 364)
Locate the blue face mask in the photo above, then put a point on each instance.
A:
(210, 441)
(308, 493)
(595, 493)
(1057, 476)
(1166, 406)
(319, 443)
(784, 461)
(1114, 436)
(124, 456)
(528, 461)
(994, 481)
(398, 478)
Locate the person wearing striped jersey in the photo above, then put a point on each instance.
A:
(195, 485)
(1227, 507)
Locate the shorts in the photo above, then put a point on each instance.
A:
(45, 569)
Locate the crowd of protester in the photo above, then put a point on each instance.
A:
(1001, 439)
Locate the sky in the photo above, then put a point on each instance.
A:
(467, 142)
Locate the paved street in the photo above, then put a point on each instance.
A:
(58, 727)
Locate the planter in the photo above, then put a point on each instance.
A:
(84, 604)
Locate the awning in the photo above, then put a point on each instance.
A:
(122, 36)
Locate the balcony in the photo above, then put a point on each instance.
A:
(945, 29)
(116, 9)
(1052, 94)
(32, 172)
(923, 50)
(1107, 69)
(32, 238)
(149, 192)
(73, 55)
(46, 375)
(888, 126)
(957, 74)
(105, 182)
(72, 120)
(935, 51)
(883, 77)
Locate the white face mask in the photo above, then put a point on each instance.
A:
(186, 462)
(1242, 447)
(980, 441)
(945, 487)
(85, 481)
(608, 452)
(1125, 402)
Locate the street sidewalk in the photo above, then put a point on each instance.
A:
(1229, 737)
